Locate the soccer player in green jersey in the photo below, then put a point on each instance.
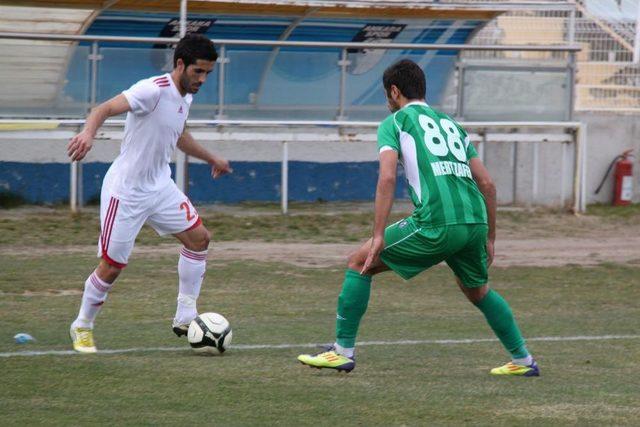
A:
(454, 221)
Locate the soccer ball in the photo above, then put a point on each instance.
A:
(209, 333)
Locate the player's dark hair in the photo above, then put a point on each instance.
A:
(193, 47)
(408, 77)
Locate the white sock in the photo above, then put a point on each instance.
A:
(95, 294)
(347, 352)
(191, 269)
(525, 361)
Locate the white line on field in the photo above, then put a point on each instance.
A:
(360, 344)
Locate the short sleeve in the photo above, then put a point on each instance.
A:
(468, 146)
(143, 96)
(471, 150)
(388, 135)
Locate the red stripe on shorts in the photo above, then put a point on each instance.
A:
(103, 233)
(109, 225)
(112, 262)
(195, 224)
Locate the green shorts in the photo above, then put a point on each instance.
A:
(410, 250)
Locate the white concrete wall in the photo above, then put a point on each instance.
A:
(608, 135)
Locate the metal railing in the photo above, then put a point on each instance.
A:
(342, 61)
(608, 69)
(223, 44)
(484, 133)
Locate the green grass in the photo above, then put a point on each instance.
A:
(60, 227)
(307, 222)
(630, 212)
(587, 382)
(583, 382)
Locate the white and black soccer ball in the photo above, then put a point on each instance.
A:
(209, 333)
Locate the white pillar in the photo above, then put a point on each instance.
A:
(284, 181)
(181, 158)
(585, 159)
(73, 187)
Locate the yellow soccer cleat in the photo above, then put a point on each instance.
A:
(82, 340)
(517, 370)
(328, 359)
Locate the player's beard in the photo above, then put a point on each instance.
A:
(392, 105)
(187, 84)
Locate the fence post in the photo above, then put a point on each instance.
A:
(284, 182)
(572, 84)
(222, 61)
(583, 188)
(577, 169)
(343, 63)
(73, 186)
(514, 160)
(534, 178)
(182, 161)
(572, 26)
(563, 161)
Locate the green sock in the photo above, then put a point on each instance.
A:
(352, 304)
(499, 316)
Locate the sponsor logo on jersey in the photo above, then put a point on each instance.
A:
(451, 168)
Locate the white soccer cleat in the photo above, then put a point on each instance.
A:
(82, 339)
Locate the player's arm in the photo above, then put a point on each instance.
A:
(219, 165)
(488, 189)
(80, 144)
(384, 201)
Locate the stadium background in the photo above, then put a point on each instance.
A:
(424, 353)
(53, 80)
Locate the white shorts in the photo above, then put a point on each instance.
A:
(168, 211)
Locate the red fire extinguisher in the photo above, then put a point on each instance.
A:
(623, 182)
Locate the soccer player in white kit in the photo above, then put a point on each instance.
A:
(138, 187)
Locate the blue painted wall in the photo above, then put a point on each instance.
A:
(250, 181)
(299, 77)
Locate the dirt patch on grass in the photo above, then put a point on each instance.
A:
(544, 252)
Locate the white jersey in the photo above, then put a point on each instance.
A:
(153, 126)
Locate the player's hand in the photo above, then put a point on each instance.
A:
(377, 245)
(219, 167)
(80, 145)
(490, 252)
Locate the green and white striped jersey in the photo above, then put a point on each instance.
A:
(435, 152)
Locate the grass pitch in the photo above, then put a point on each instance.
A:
(584, 381)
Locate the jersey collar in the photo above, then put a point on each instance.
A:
(176, 92)
(424, 104)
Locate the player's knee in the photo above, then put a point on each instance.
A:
(202, 240)
(475, 295)
(107, 272)
(354, 262)
(206, 239)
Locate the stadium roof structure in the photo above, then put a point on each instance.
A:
(460, 9)
(43, 62)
